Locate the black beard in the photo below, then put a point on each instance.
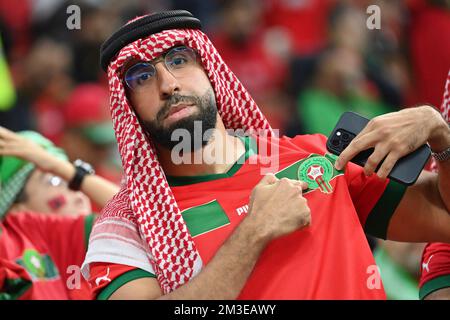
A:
(206, 114)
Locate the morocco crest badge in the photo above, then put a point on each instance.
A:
(317, 171)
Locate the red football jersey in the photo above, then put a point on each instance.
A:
(435, 268)
(436, 256)
(39, 254)
(331, 259)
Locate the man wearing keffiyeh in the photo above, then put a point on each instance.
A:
(222, 230)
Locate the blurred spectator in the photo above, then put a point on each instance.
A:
(429, 38)
(435, 277)
(17, 19)
(339, 85)
(98, 23)
(25, 186)
(386, 65)
(347, 28)
(303, 21)
(46, 80)
(381, 50)
(88, 132)
(206, 11)
(355, 73)
(44, 225)
(242, 42)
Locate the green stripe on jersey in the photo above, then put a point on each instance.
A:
(122, 280)
(377, 222)
(434, 285)
(88, 224)
(205, 218)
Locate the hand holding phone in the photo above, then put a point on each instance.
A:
(406, 170)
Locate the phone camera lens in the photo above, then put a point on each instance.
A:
(345, 137)
(335, 142)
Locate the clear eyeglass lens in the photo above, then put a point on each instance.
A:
(178, 61)
(140, 75)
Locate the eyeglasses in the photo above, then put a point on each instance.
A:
(179, 61)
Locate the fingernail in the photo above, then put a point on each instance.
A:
(337, 165)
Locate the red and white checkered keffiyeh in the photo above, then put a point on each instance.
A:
(146, 198)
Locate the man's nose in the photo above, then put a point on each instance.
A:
(167, 83)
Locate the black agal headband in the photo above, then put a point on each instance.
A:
(144, 27)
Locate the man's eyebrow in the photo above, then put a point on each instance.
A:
(131, 61)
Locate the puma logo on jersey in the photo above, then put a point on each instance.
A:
(241, 210)
(104, 278)
(425, 266)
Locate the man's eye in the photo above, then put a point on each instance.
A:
(178, 61)
(143, 77)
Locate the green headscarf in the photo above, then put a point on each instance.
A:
(14, 172)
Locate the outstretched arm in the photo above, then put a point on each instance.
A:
(423, 213)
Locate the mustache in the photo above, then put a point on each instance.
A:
(173, 100)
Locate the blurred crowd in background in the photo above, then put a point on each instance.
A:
(304, 62)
